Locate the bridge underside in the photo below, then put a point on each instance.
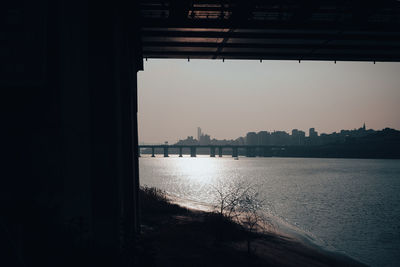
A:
(272, 30)
(69, 89)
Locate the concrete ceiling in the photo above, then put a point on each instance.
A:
(352, 30)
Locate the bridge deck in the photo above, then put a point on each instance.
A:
(284, 30)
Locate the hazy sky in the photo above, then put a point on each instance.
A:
(228, 99)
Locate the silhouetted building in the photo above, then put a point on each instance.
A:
(280, 138)
(330, 138)
(298, 137)
(312, 136)
(198, 133)
(264, 138)
(251, 139)
(205, 139)
(312, 132)
(188, 141)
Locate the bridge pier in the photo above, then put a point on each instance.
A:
(250, 152)
(234, 152)
(261, 152)
(253, 152)
(220, 151)
(265, 152)
(212, 151)
(193, 151)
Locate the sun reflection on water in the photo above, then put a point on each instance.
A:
(202, 170)
(191, 178)
(319, 196)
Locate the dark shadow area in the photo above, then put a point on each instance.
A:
(68, 188)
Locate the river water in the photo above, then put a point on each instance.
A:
(350, 206)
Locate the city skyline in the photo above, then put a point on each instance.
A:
(202, 136)
(323, 95)
(356, 143)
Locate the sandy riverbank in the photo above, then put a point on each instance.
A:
(179, 236)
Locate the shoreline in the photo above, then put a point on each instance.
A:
(282, 229)
(145, 155)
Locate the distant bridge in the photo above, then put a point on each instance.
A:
(250, 150)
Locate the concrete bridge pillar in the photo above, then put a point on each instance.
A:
(262, 152)
(152, 152)
(212, 151)
(165, 152)
(180, 152)
(220, 151)
(234, 152)
(250, 151)
(193, 151)
(265, 151)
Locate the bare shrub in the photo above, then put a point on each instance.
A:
(242, 203)
(251, 217)
(227, 198)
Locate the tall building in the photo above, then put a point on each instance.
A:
(205, 139)
(251, 139)
(313, 136)
(264, 138)
(312, 132)
(298, 137)
(280, 138)
(198, 133)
